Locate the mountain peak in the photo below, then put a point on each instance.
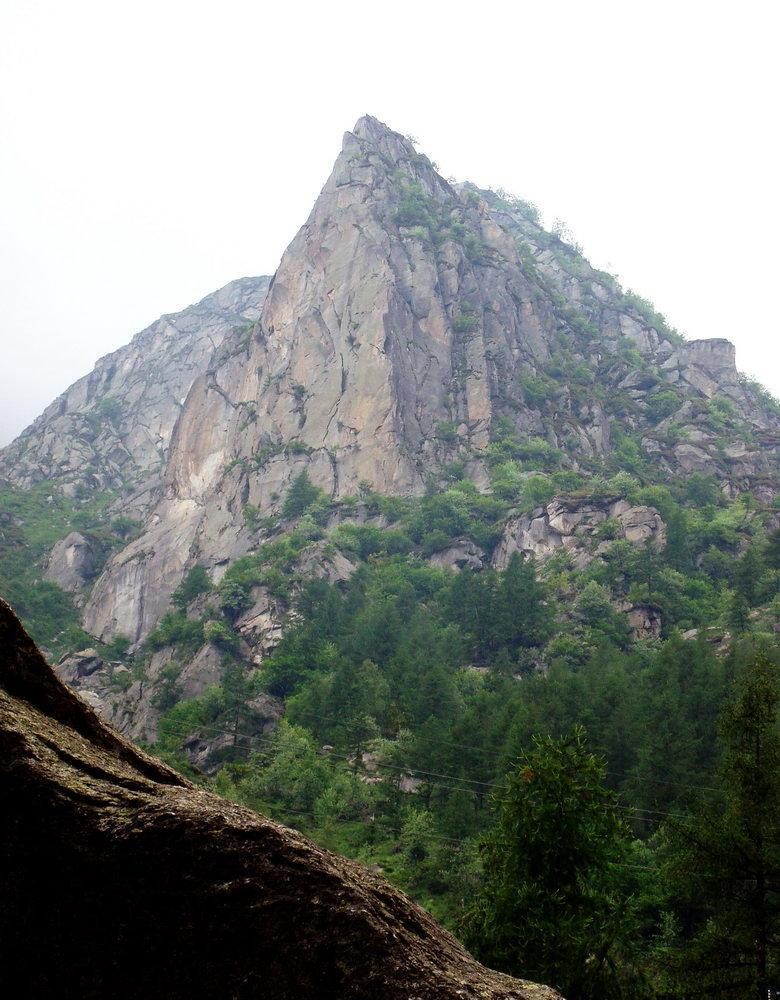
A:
(370, 135)
(371, 129)
(112, 427)
(410, 329)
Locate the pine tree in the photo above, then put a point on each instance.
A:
(358, 699)
(748, 573)
(738, 613)
(521, 617)
(196, 582)
(726, 860)
(550, 906)
(300, 496)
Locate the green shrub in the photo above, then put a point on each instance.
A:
(454, 471)
(627, 453)
(608, 530)
(465, 320)
(121, 680)
(662, 404)
(651, 316)
(220, 634)
(474, 248)
(266, 452)
(537, 491)
(196, 582)
(421, 233)
(719, 412)
(532, 451)
(176, 629)
(537, 390)
(124, 527)
(446, 431)
(622, 484)
(414, 208)
(366, 540)
(234, 596)
(506, 479)
(117, 648)
(252, 516)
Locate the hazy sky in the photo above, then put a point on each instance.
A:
(151, 152)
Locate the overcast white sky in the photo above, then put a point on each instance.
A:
(152, 151)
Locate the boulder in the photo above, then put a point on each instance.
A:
(569, 522)
(74, 667)
(261, 625)
(463, 554)
(321, 561)
(123, 879)
(645, 620)
(203, 671)
(72, 562)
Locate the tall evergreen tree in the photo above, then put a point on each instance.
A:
(726, 860)
(521, 617)
(301, 495)
(550, 906)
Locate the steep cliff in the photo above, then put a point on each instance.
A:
(122, 879)
(412, 324)
(111, 429)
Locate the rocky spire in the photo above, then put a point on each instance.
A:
(407, 321)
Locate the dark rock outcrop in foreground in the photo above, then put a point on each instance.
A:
(122, 879)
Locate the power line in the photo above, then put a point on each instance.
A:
(642, 813)
(475, 781)
(502, 754)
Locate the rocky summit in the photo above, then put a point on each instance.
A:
(413, 327)
(408, 322)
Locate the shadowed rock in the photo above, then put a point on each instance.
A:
(122, 879)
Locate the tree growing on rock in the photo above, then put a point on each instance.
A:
(301, 495)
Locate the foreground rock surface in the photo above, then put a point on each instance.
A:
(123, 879)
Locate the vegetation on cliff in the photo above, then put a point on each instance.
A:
(459, 555)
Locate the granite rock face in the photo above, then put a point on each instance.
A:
(464, 554)
(72, 562)
(408, 320)
(112, 428)
(573, 525)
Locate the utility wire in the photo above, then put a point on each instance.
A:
(412, 772)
